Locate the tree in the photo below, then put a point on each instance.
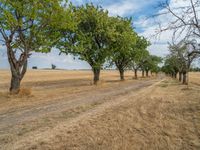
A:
(180, 60)
(122, 43)
(156, 61)
(151, 63)
(184, 21)
(24, 28)
(195, 69)
(146, 65)
(171, 66)
(34, 67)
(90, 38)
(184, 52)
(139, 54)
(53, 66)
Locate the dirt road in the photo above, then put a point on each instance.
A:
(16, 122)
(143, 114)
(10, 118)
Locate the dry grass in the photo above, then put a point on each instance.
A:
(195, 78)
(25, 92)
(163, 116)
(154, 118)
(45, 85)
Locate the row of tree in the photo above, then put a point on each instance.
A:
(195, 69)
(86, 31)
(180, 59)
(184, 22)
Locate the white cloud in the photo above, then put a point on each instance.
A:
(77, 2)
(159, 43)
(44, 60)
(122, 8)
(61, 61)
(159, 49)
(126, 7)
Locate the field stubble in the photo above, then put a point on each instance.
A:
(144, 114)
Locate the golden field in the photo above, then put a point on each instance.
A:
(63, 110)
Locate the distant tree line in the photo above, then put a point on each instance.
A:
(86, 31)
(184, 22)
(180, 59)
(195, 69)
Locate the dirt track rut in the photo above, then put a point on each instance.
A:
(13, 122)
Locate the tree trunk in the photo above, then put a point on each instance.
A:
(143, 73)
(147, 73)
(184, 78)
(187, 80)
(187, 73)
(135, 71)
(175, 76)
(96, 72)
(15, 84)
(180, 76)
(121, 71)
(17, 75)
(156, 74)
(18, 68)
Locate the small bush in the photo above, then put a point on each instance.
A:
(25, 92)
(53, 66)
(34, 67)
(163, 85)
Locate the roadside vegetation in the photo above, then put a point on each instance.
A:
(184, 48)
(86, 31)
(62, 109)
(66, 112)
(90, 34)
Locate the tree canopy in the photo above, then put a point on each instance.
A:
(179, 60)
(24, 28)
(86, 32)
(122, 42)
(90, 39)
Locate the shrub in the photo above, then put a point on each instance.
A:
(25, 92)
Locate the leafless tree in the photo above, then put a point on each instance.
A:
(183, 19)
(185, 52)
(184, 22)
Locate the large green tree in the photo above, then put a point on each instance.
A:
(24, 28)
(89, 40)
(171, 65)
(151, 63)
(140, 54)
(122, 43)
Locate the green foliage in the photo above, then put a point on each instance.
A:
(151, 63)
(155, 63)
(27, 23)
(179, 59)
(172, 65)
(90, 38)
(122, 42)
(53, 66)
(25, 27)
(195, 69)
(140, 54)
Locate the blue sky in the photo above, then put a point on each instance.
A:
(137, 9)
